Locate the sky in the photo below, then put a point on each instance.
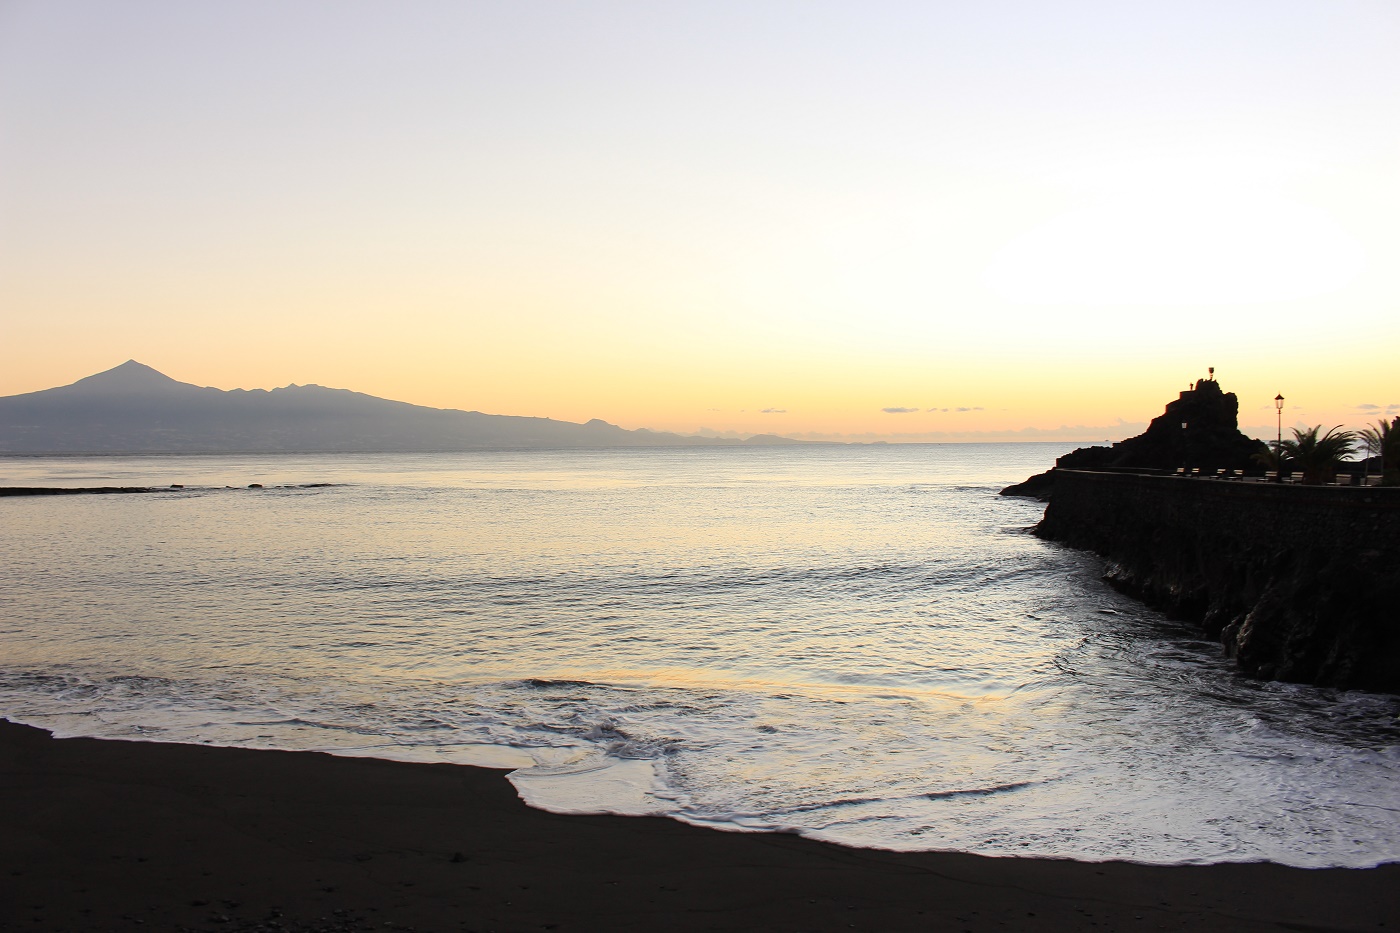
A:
(913, 221)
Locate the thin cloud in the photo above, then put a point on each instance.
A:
(899, 411)
(773, 411)
(1367, 406)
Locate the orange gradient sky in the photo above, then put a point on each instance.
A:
(794, 218)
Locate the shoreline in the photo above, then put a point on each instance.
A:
(108, 834)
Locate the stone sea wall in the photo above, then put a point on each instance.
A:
(1299, 583)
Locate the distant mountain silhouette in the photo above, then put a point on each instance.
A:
(133, 408)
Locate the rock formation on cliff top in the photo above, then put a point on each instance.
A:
(1199, 429)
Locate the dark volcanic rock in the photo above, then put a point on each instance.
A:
(70, 491)
(1037, 487)
(1200, 429)
(1299, 583)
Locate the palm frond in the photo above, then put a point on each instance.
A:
(1318, 456)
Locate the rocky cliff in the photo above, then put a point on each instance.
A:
(1199, 430)
(1299, 583)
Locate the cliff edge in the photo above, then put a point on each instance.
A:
(1200, 429)
(1299, 583)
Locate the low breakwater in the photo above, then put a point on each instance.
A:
(6, 491)
(1299, 583)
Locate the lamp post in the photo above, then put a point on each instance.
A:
(1278, 446)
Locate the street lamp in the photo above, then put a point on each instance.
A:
(1278, 446)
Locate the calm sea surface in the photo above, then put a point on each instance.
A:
(861, 644)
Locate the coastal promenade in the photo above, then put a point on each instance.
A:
(1288, 497)
(1300, 583)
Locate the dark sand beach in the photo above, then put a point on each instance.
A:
(106, 835)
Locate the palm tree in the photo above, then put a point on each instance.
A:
(1269, 457)
(1384, 439)
(1318, 457)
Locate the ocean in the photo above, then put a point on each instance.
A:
(860, 644)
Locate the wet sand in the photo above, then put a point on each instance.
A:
(104, 835)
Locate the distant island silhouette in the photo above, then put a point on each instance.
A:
(133, 408)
